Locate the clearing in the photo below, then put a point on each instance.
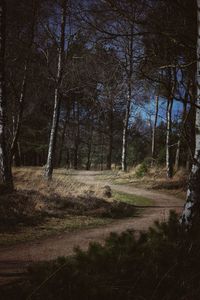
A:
(14, 259)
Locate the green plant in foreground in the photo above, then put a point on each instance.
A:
(163, 263)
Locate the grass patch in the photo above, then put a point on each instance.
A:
(51, 227)
(132, 199)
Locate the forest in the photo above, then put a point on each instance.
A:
(99, 149)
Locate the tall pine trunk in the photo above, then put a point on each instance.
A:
(5, 163)
(88, 163)
(177, 157)
(184, 114)
(77, 137)
(56, 112)
(18, 122)
(66, 123)
(191, 211)
(89, 145)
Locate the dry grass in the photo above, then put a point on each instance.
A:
(39, 208)
(31, 178)
(154, 178)
(63, 184)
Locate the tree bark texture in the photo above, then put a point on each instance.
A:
(5, 163)
(110, 145)
(66, 123)
(154, 129)
(56, 112)
(128, 104)
(191, 211)
(22, 95)
(169, 165)
(77, 137)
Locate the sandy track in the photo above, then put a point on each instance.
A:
(15, 259)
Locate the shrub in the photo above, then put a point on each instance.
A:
(142, 170)
(163, 263)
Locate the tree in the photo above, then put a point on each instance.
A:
(57, 99)
(5, 163)
(154, 129)
(191, 211)
(21, 98)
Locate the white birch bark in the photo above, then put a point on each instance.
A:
(110, 147)
(191, 211)
(154, 130)
(124, 137)
(128, 103)
(56, 112)
(169, 167)
(5, 165)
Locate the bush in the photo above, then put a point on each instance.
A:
(142, 170)
(164, 263)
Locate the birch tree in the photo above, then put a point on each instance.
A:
(128, 100)
(57, 100)
(191, 211)
(5, 165)
(154, 129)
(169, 166)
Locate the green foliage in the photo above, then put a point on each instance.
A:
(163, 263)
(131, 199)
(161, 156)
(142, 170)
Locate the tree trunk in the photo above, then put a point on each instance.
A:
(68, 165)
(101, 153)
(77, 138)
(66, 120)
(56, 113)
(88, 164)
(124, 137)
(191, 211)
(128, 104)
(177, 158)
(20, 112)
(17, 156)
(169, 165)
(21, 99)
(110, 146)
(61, 144)
(154, 130)
(5, 162)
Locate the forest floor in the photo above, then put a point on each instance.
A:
(14, 259)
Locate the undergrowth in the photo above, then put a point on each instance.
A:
(162, 264)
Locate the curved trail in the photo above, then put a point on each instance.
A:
(15, 259)
(159, 199)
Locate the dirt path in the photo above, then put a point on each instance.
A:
(160, 199)
(15, 259)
